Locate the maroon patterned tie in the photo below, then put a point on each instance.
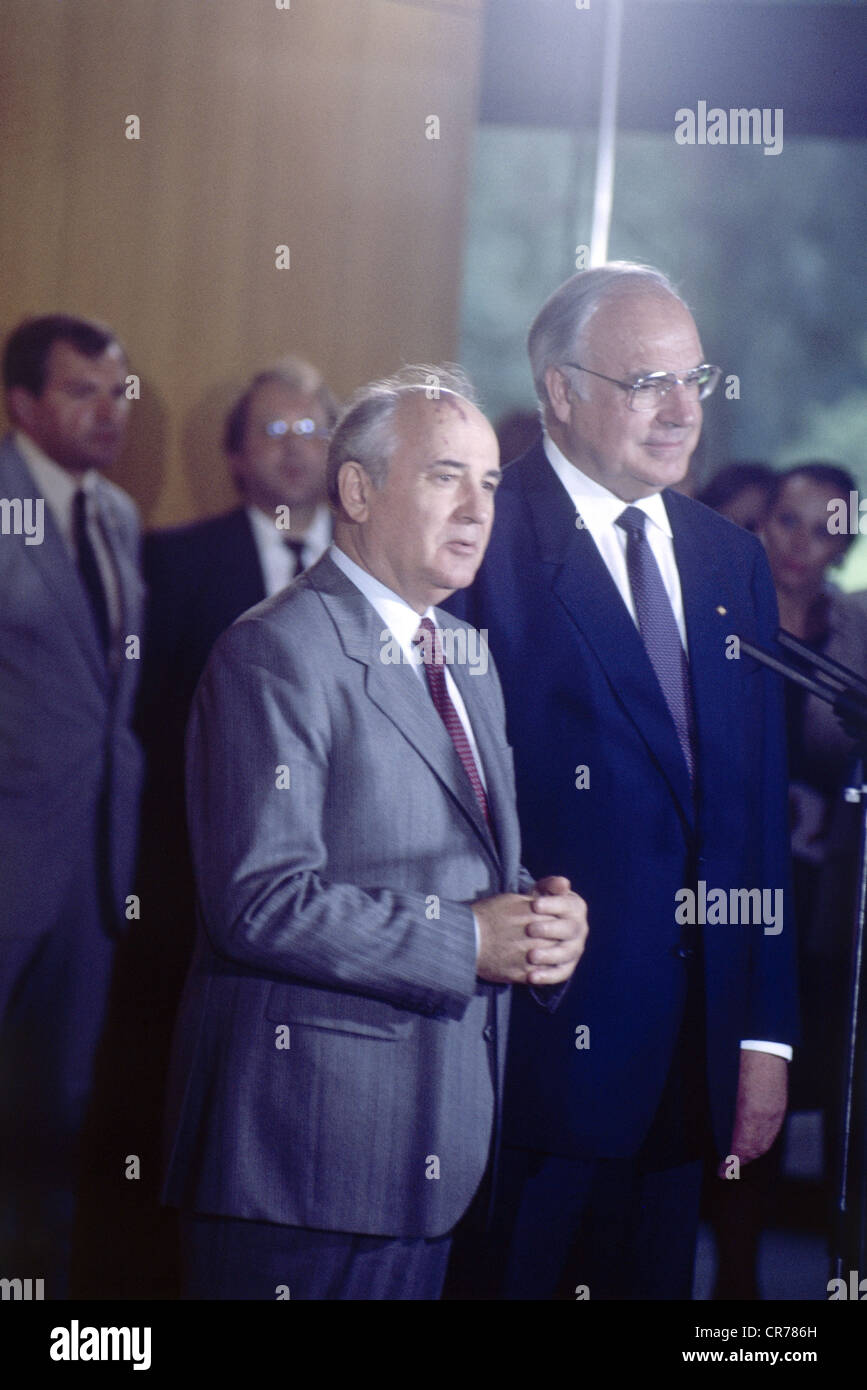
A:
(429, 642)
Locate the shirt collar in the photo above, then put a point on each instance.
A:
(317, 535)
(49, 475)
(597, 504)
(57, 485)
(401, 619)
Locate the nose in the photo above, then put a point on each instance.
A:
(110, 408)
(476, 503)
(680, 407)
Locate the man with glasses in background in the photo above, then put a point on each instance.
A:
(651, 770)
(201, 577)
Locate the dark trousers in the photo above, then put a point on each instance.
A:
(611, 1228)
(53, 999)
(598, 1228)
(225, 1258)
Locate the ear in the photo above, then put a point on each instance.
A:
(236, 470)
(559, 391)
(20, 405)
(354, 488)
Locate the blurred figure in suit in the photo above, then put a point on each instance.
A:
(70, 624)
(200, 578)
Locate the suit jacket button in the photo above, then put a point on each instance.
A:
(488, 1033)
(683, 952)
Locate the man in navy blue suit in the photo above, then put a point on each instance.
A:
(203, 575)
(650, 770)
(200, 577)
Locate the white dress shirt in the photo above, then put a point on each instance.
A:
(402, 623)
(275, 558)
(58, 487)
(599, 509)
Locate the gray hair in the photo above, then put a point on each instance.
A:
(558, 330)
(365, 431)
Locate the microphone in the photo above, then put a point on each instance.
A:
(829, 680)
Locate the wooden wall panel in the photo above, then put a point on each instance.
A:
(259, 127)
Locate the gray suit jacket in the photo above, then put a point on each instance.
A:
(70, 768)
(337, 1062)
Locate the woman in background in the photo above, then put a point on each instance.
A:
(741, 491)
(801, 550)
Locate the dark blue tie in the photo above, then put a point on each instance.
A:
(659, 630)
(295, 549)
(88, 568)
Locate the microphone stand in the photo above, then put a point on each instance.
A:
(846, 691)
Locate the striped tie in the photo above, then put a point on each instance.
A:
(429, 641)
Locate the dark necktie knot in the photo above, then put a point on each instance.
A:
(296, 549)
(632, 521)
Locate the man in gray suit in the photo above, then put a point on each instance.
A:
(340, 1044)
(70, 618)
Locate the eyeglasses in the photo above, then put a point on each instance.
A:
(648, 392)
(275, 429)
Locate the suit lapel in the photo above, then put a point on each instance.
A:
(397, 691)
(580, 581)
(57, 570)
(245, 554)
(704, 586)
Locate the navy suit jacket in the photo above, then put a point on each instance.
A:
(580, 691)
(200, 578)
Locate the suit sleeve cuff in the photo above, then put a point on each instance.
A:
(776, 1049)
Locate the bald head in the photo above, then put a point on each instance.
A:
(422, 528)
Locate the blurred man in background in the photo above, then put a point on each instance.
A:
(200, 577)
(70, 624)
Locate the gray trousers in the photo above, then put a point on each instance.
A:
(225, 1258)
